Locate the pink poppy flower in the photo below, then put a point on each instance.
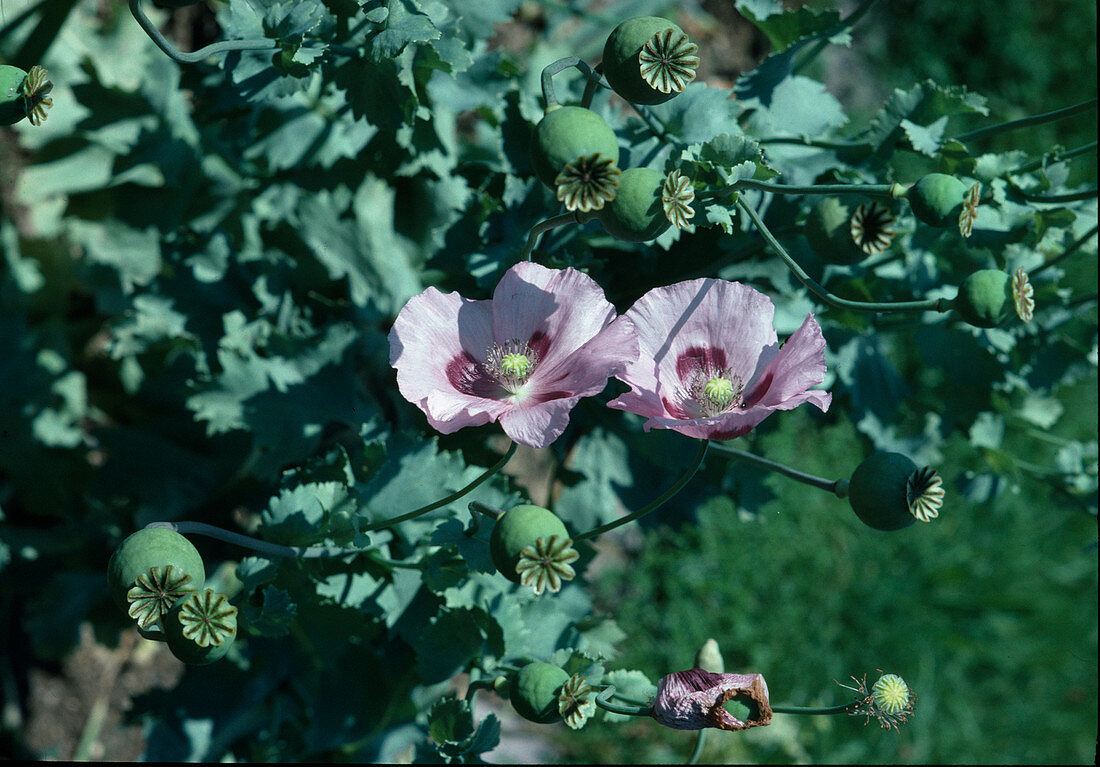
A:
(710, 365)
(524, 358)
(693, 700)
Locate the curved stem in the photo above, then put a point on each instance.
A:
(265, 548)
(224, 46)
(594, 81)
(890, 191)
(839, 487)
(603, 701)
(1023, 122)
(927, 305)
(542, 226)
(548, 72)
(450, 498)
(700, 744)
(654, 504)
(1069, 251)
(845, 709)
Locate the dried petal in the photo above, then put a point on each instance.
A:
(693, 700)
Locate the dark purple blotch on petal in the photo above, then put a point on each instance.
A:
(468, 376)
(707, 359)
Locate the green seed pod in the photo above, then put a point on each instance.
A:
(648, 60)
(937, 199)
(888, 492)
(518, 528)
(828, 229)
(566, 134)
(12, 108)
(637, 213)
(201, 627)
(535, 689)
(984, 298)
(150, 570)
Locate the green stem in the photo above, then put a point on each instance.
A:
(839, 487)
(889, 191)
(548, 72)
(656, 127)
(450, 498)
(824, 35)
(803, 141)
(542, 226)
(265, 548)
(175, 54)
(1052, 158)
(656, 503)
(927, 305)
(595, 80)
(700, 743)
(603, 701)
(845, 709)
(1069, 251)
(1054, 198)
(269, 549)
(1023, 122)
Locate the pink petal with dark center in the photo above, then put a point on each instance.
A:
(556, 311)
(585, 372)
(685, 326)
(436, 344)
(539, 424)
(800, 364)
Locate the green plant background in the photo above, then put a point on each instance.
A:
(200, 266)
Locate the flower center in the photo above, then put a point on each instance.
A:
(719, 391)
(715, 391)
(511, 363)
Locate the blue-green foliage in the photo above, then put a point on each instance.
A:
(200, 267)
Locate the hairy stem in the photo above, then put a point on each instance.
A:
(654, 504)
